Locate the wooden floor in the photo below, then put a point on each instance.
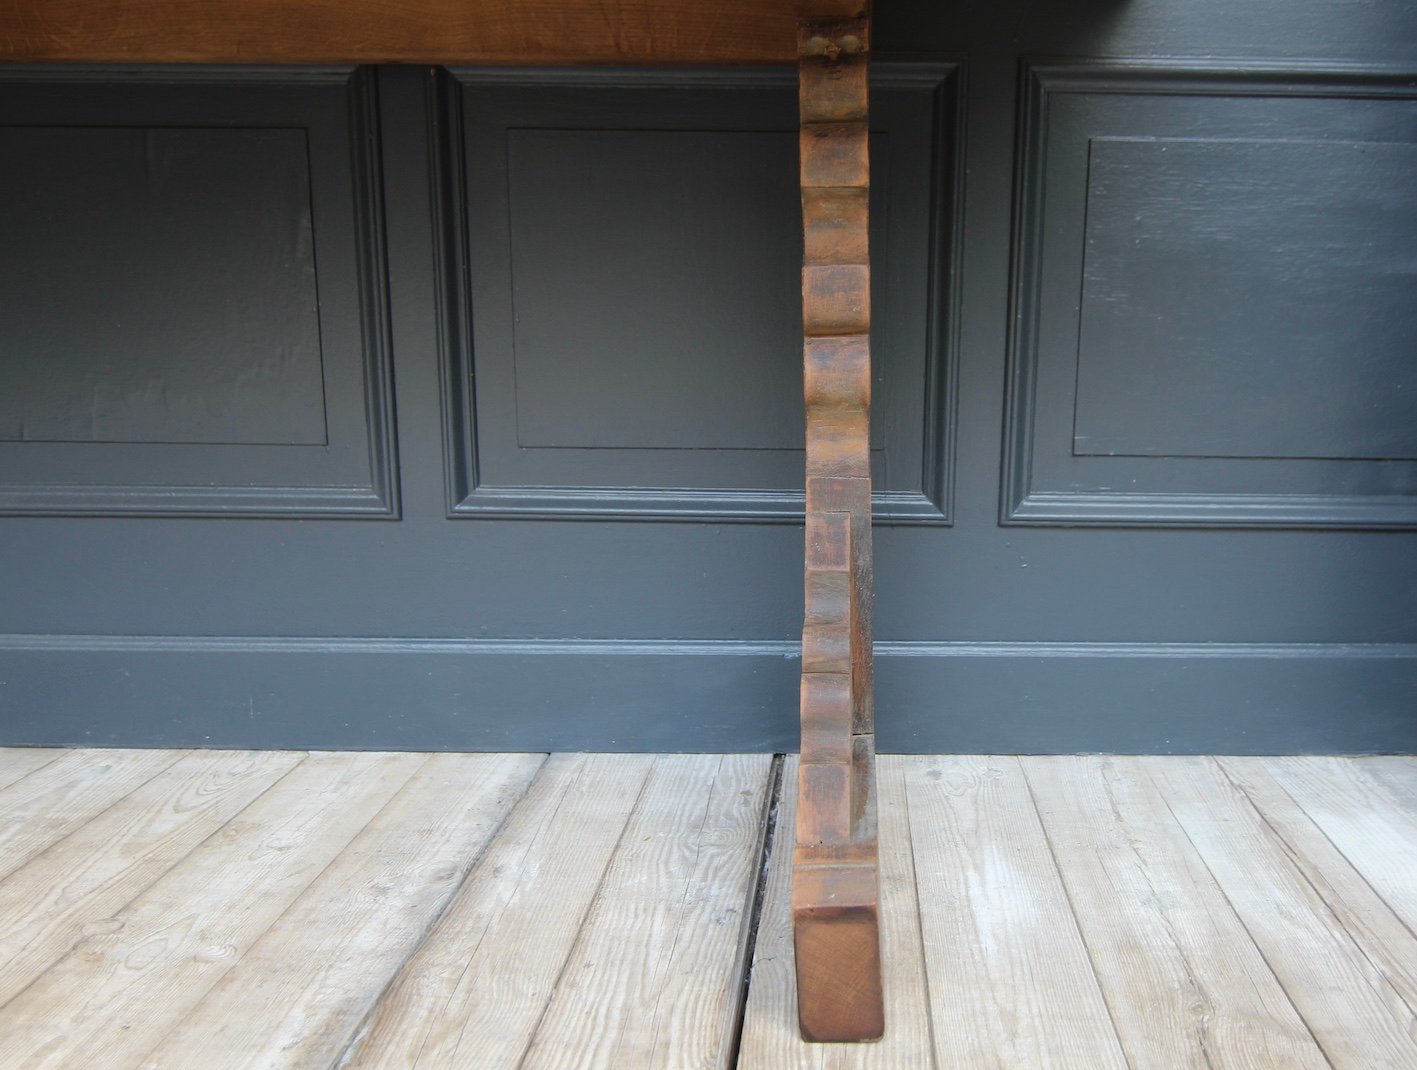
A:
(230, 909)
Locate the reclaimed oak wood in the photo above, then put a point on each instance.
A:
(835, 888)
(412, 31)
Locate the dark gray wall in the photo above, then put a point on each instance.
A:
(404, 408)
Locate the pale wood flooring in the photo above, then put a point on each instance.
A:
(213, 909)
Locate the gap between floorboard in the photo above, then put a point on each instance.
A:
(754, 914)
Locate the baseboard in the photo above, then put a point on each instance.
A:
(698, 695)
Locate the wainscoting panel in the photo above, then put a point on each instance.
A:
(541, 327)
(191, 294)
(632, 286)
(1216, 299)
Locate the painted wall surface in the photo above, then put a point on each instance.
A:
(402, 408)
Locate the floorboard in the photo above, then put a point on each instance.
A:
(17, 762)
(68, 891)
(40, 809)
(1397, 775)
(306, 985)
(1011, 980)
(1360, 818)
(475, 991)
(652, 976)
(1348, 1001)
(1387, 946)
(1186, 984)
(134, 976)
(289, 910)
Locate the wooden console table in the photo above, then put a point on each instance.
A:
(835, 893)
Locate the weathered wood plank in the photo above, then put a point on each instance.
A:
(1185, 983)
(1010, 979)
(242, 909)
(699, 1013)
(1348, 1000)
(474, 992)
(297, 996)
(412, 31)
(19, 762)
(1359, 817)
(1292, 794)
(770, 1034)
(654, 977)
(1397, 774)
(137, 974)
(63, 795)
(98, 869)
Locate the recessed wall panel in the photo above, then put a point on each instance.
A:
(158, 285)
(624, 335)
(1249, 297)
(664, 268)
(191, 294)
(1216, 299)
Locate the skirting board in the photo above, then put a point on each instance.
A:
(702, 696)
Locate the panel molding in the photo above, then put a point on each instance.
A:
(426, 693)
(1022, 502)
(469, 492)
(375, 496)
(1339, 511)
(611, 647)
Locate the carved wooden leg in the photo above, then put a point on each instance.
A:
(835, 895)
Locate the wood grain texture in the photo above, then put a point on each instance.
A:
(42, 808)
(652, 981)
(414, 31)
(1350, 1001)
(1011, 981)
(18, 762)
(1360, 817)
(298, 995)
(1186, 985)
(1318, 841)
(835, 889)
(134, 976)
(698, 1011)
(477, 988)
(47, 905)
(243, 908)
(1396, 774)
